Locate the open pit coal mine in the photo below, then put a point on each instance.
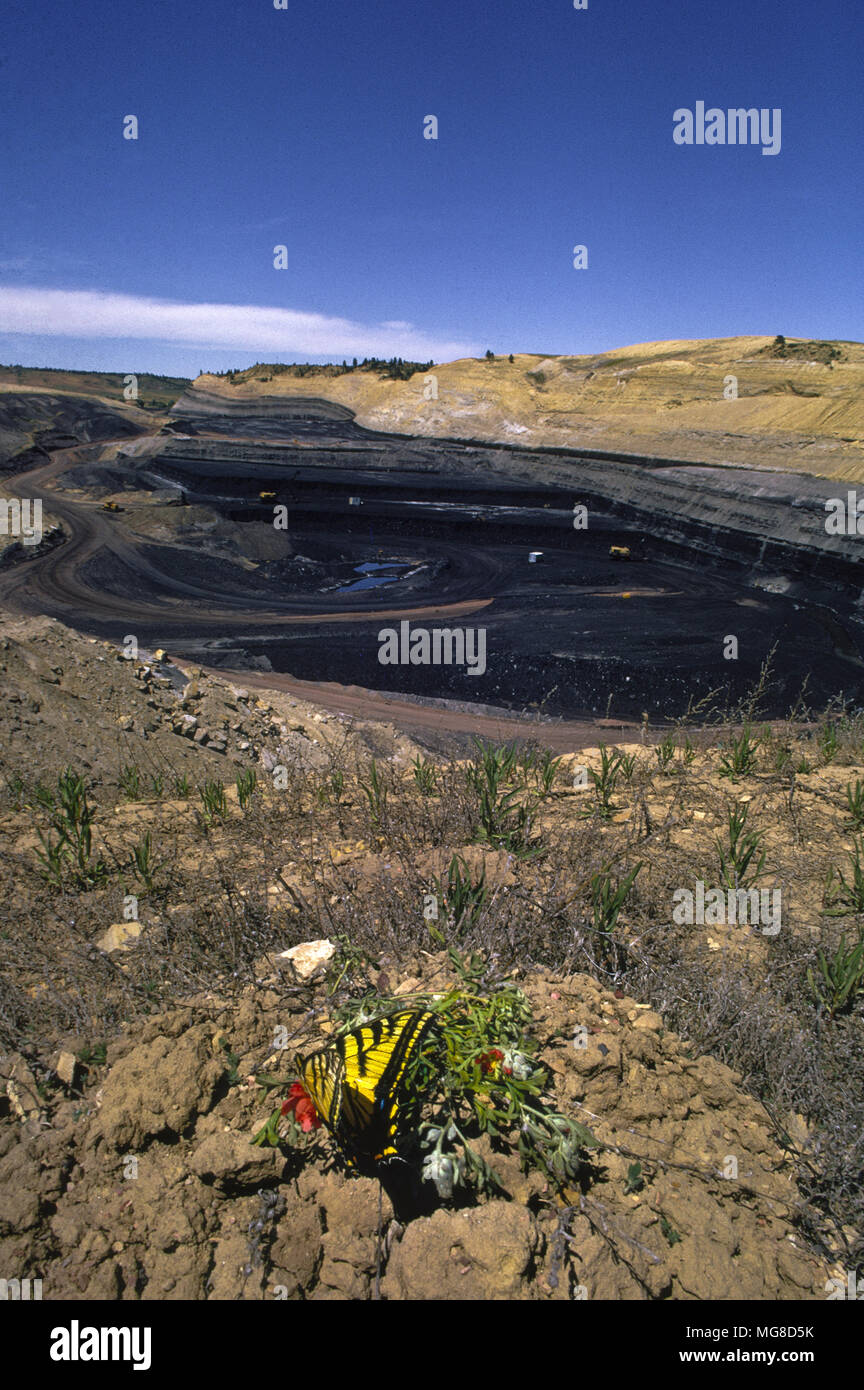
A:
(277, 535)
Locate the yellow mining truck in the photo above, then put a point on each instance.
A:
(619, 552)
(111, 507)
(267, 496)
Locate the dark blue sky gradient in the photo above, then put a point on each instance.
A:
(304, 127)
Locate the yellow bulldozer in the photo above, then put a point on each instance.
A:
(111, 507)
(267, 496)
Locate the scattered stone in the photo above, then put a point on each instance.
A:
(309, 957)
(120, 936)
(67, 1067)
(21, 1088)
(650, 1021)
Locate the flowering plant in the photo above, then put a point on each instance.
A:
(476, 1076)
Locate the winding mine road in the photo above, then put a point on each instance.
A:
(50, 583)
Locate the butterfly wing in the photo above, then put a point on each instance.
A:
(322, 1075)
(356, 1083)
(383, 1051)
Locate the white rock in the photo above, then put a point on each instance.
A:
(309, 956)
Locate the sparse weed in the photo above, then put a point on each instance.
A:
(331, 789)
(634, 1181)
(839, 980)
(246, 784)
(460, 899)
(828, 741)
(739, 757)
(605, 781)
(71, 821)
(214, 801)
(855, 802)
(16, 793)
(504, 816)
(741, 859)
(43, 796)
(425, 775)
(608, 897)
(845, 896)
(669, 1232)
(376, 794)
(53, 856)
(130, 782)
(665, 752)
(142, 860)
(628, 766)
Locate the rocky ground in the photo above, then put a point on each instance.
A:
(82, 701)
(143, 984)
(137, 1177)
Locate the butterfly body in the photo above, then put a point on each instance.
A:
(357, 1082)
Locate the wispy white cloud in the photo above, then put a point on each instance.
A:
(254, 328)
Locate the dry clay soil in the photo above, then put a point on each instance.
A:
(139, 1180)
(147, 1185)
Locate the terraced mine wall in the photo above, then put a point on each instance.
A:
(34, 423)
(767, 523)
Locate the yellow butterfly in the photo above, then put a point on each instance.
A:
(355, 1083)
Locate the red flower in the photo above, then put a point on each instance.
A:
(302, 1107)
(490, 1060)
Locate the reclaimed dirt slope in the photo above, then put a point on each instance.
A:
(130, 1174)
(147, 1186)
(75, 700)
(802, 411)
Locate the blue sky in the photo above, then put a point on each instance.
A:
(303, 127)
